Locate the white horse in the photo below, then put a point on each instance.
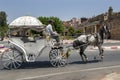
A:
(84, 40)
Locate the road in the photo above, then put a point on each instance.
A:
(75, 70)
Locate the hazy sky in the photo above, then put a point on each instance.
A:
(64, 9)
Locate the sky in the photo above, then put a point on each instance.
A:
(63, 9)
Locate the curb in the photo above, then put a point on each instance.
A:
(106, 48)
(106, 41)
(111, 41)
(3, 50)
(67, 41)
(112, 47)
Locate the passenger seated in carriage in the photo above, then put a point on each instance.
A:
(31, 36)
(28, 37)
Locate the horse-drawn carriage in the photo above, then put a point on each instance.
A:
(24, 47)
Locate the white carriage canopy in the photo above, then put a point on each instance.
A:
(26, 22)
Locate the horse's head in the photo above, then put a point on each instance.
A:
(105, 31)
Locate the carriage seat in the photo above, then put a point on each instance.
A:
(28, 39)
(30, 47)
(17, 41)
(22, 40)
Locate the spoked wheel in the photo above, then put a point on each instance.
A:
(56, 58)
(11, 59)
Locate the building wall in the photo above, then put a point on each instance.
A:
(115, 29)
(91, 29)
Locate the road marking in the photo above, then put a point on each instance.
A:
(61, 73)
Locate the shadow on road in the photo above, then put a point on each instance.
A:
(81, 62)
(37, 64)
(33, 65)
(46, 64)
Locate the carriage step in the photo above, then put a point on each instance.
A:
(31, 57)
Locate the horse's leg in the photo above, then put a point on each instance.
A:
(101, 50)
(82, 54)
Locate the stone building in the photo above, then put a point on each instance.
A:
(115, 26)
(92, 27)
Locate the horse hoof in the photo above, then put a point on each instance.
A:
(95, 57)
(86, 60)
(102, 57)
(102, 51)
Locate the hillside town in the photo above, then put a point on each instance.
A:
(76, 26)
(89, 25)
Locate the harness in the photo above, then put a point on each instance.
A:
(97, 38)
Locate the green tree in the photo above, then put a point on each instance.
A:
(78, 31)
(44, 20)
(3, 24)
(3, 20)
(71, 31)
(57, 26)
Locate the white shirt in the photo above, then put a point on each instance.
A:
(49, 29)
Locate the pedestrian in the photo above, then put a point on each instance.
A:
(51, 33)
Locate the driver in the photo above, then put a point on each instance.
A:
(53, 34)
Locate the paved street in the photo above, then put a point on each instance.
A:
(75, 70)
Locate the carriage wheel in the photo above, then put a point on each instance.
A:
(56, 58)
(11, 59)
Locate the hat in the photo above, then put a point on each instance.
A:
(51, 21)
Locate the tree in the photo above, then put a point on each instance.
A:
(71, 31)
(57, 26)
(3, 20)
(44, 20)
(3, 24)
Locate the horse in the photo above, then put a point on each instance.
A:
(84, 40)
(96, 39)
